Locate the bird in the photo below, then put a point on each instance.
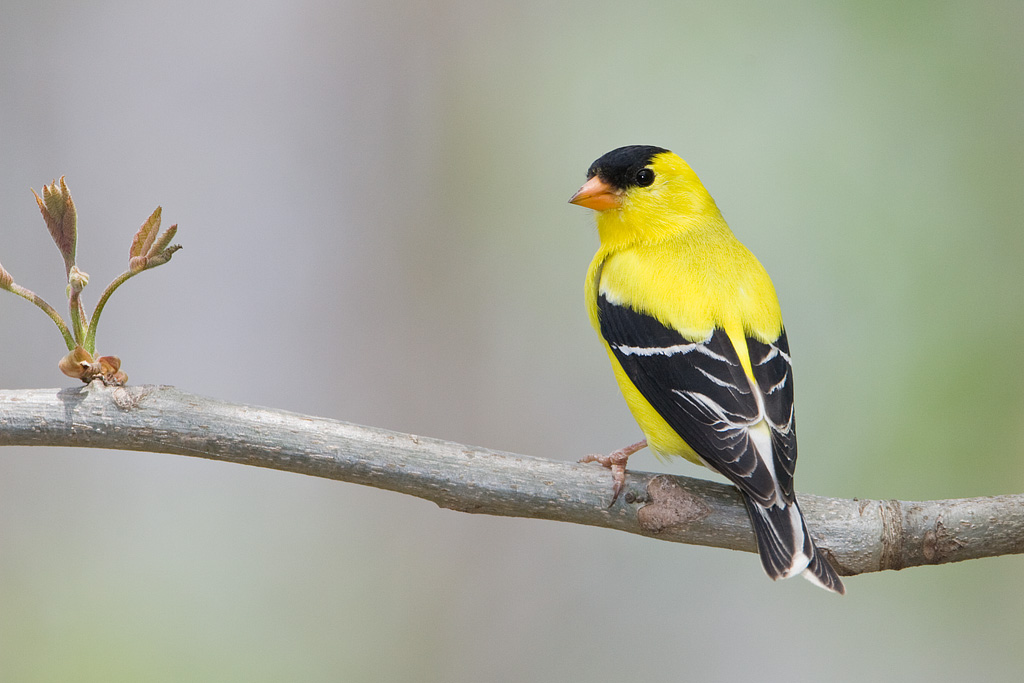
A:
(691, 323)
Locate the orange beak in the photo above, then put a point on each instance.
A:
(598, 195)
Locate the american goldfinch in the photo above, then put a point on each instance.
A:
(692, 327)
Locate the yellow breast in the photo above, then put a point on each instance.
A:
(693, 284)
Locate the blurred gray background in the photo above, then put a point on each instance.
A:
(372, 202)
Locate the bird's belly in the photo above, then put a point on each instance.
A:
(662, 440)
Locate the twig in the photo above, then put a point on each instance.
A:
(858, 535)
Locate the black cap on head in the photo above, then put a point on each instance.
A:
(619, 167)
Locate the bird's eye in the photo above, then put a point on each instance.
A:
(644, 177)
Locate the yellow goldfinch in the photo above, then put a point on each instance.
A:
(692, 326)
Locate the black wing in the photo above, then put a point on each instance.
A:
(702, 392)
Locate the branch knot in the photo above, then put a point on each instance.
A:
(890, 514)
(670, 505)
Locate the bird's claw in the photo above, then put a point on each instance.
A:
(616, 462)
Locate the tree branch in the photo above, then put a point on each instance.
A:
(858, 535)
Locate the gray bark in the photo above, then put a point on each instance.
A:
(858, 536)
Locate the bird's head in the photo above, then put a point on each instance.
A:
(644, 194)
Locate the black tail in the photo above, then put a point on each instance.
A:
(786, 547)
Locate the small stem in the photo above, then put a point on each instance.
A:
(48, 310)
(90, 338)
(77, 315)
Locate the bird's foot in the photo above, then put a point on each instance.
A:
(616, 462)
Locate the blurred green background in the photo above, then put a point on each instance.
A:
(372, 201)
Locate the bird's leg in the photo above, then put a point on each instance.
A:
(616, 462)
